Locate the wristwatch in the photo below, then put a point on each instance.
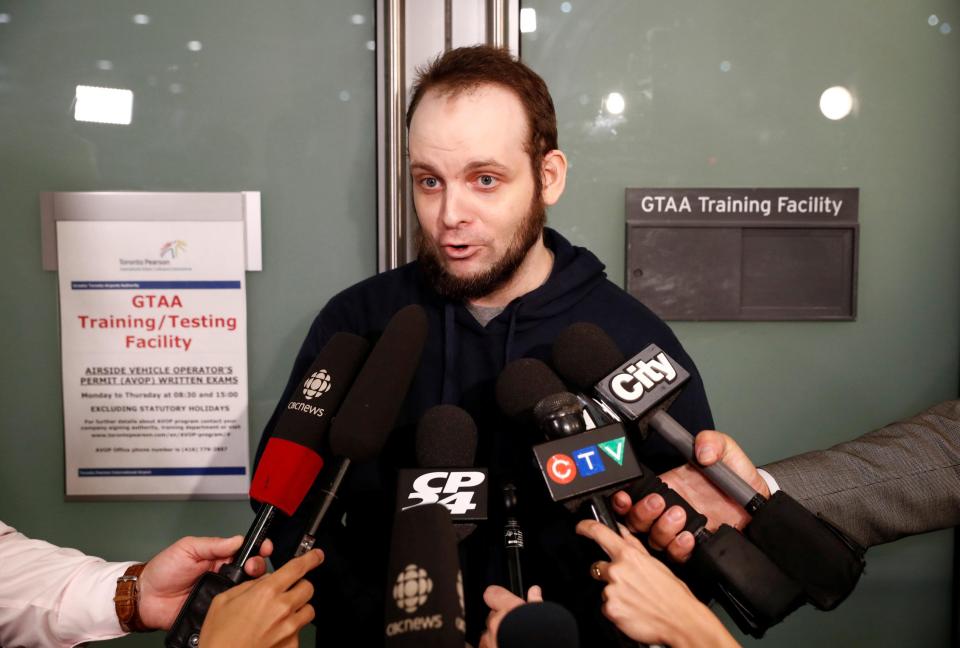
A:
(127, 600)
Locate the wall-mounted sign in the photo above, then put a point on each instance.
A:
(743, 254)
(153, 339)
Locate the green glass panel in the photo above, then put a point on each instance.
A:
(727, 94)
(227, 96)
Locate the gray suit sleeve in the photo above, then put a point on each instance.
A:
(900, 480)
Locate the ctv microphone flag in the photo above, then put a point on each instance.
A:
(589, 462)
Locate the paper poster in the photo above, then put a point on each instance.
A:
(153, 345)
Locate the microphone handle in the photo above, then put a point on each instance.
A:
(251, 544)
(600, 510)
(722, 477)
(513, 545)
(337, 471)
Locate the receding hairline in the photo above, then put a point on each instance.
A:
(450, 91)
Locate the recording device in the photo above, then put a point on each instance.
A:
(513, 541)
(639, 389)
(579, 467)
(538, 625)
(729, 563)
(807, 548)
(446, 447)
(424, 602)
(288, 466)
(370, 410)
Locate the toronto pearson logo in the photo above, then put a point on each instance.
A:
(317, 384)
(173, 249)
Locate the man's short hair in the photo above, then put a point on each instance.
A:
(467, 68)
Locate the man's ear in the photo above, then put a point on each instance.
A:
(553, 172)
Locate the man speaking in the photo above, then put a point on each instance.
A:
(496, 285)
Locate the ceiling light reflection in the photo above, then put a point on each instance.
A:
(836, 102)
(933, 20)
(945, 28)
(4, 18)
(103, 105)
(104, 65)
(614, 103)
(566, 7)
(141, 19)
(357, 19)
(194, 46)
(528, 20)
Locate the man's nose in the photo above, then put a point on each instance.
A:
(455, 209)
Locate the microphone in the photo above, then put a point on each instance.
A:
(289, 464)
(538, 625)
(513, 541)
(291, 459)
(572, 463)
(639, 390)
(371, 408)
(599, 462)
(424, 603)
(446, 447)
(825, 563)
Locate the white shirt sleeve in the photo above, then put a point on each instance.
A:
(52, 596)
(771, 482)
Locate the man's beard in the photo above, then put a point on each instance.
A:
(497, 275)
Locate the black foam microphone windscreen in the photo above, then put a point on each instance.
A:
(583, 354)
(370, 410)
(446, 436)
(538, 625)
(424, 602)
(523, 383)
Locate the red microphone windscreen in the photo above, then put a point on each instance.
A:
(291, 459)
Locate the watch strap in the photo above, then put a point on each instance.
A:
(127, 599)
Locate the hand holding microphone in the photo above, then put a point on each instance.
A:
(502, 602)
(263, 613)
(665, 525)
(645, 600)
(288, 466)
(815, 555)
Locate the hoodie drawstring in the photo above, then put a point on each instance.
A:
(508, 347)
(449, 393)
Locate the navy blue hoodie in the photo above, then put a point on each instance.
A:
(460, 364)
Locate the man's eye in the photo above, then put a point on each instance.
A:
(486, 181)
(429, 183)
